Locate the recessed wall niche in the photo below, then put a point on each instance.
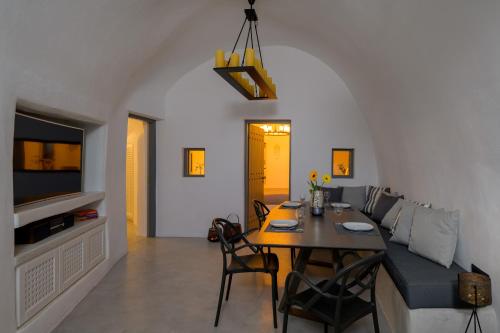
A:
(194, 162)
(342, 162)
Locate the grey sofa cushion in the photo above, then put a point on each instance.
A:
(434, 234)
(355, 195)
(421, 282)
(401, 233)
(384, 204)
(335, 193)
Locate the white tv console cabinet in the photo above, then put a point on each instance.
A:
(46, 269)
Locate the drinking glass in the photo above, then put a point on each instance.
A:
(299, 214)
(326, 198)
(338, 210)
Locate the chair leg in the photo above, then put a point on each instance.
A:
(274, 293)
(375, 319)
(221, 295)
(326, 328)
(275, 283)
(285, 320)
(292, 255)
(229, 286)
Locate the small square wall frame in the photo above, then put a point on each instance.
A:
(342, 162)
(194, 162)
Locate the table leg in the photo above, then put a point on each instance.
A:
(300, 266)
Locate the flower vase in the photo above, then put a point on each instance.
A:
(317, 208)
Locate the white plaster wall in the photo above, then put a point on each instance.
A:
(438, 138)
(7, 102)
(202, 110)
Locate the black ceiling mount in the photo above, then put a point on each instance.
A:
(251, 18)
(251, 15)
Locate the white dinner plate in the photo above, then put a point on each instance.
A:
(357, 226)
(291, 204)
(284, 223)
(340, 205)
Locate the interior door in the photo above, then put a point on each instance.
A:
(255, 172)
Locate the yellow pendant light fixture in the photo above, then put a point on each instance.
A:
(249, 77)
(276, 129)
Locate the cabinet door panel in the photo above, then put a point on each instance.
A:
(37, 284)
(73, 261)
(96, 246)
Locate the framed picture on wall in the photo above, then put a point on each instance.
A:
(194, 162)
(342, 163)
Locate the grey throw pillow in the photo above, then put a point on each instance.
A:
(403, 228)
(385, 202)
(355, 195)
(434, 234)
(390, 217)
(372, 197)
(334, 192)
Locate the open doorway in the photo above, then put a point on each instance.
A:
(267, 176)
(140, 178)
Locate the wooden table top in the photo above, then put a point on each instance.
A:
(319, 232)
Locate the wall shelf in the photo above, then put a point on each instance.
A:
(25, 252)
(40, 210)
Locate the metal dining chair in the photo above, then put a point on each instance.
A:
(261, 210)
(336, 302)
(256, 262)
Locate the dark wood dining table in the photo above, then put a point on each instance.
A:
(319, 232)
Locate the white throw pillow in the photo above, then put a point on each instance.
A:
(390, 217)
(401, 233)
(434, 234)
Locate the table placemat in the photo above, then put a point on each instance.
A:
(298, 229)
(343, 231)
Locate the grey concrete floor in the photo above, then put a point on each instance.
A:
(172, 285)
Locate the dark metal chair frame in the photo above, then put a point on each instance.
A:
(335, 294)
(230, 247)
(261, 210)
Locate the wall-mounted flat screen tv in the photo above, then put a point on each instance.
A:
(48, 159)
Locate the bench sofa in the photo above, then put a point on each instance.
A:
(414, 294)
(417, 295)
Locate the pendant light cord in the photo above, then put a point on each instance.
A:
(237, 40)
(251, 28)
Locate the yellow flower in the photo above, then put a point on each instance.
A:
(313, 175)
(327, 178)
